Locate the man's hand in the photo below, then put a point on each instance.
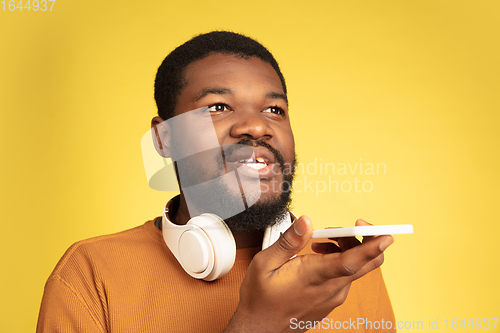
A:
(276, 289)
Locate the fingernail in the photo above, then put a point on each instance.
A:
(300, 227)
(385, 243)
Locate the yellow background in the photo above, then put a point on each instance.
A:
(411, 84)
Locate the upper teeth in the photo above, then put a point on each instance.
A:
(257, 163)
(251, 160)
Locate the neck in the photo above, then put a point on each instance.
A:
(243, 240)
(249, 239)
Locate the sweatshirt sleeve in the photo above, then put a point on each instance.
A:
(63, 311)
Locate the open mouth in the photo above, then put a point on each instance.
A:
(251, 161)
(254, 163)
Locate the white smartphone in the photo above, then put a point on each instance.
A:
(368, 230)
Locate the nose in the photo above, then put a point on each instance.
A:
(252, 126)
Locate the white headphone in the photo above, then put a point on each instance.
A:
(205, 246)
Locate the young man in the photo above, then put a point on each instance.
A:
(133, 282)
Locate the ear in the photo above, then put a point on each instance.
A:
(160, 130)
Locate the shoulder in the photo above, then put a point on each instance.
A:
(88, 274)
(87, 255)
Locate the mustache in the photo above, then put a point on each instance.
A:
(256, 143)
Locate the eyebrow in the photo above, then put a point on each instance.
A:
(227, 91)
(215, 91)
(275, 95)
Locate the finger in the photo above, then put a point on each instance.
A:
(325, 248)
(362, 222)
(349, 263)
(291, 242)
(347, 280)
(360, 261)
(347, 243)
(370, 266)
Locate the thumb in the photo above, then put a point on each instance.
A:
(289, 244)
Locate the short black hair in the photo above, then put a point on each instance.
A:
(170, 76)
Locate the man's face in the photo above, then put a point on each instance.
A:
(247, 106)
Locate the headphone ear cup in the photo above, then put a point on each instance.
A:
(222, 242)
(196, 255)
(204, 247)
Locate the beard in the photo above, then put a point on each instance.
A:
(267, 211)
(226, 198)
(262, 214)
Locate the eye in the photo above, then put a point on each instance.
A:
(218, 108)
(275, 109)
